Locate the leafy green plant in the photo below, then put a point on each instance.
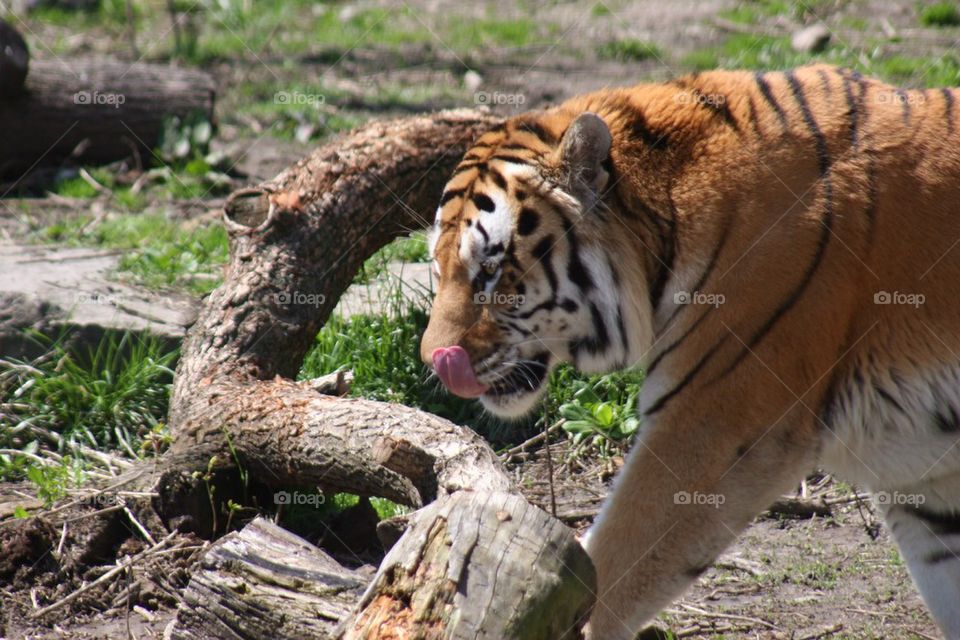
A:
(602, 410)
(940, 14)
(53, 480)
(185, 139)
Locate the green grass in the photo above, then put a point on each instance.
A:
(112, 396)
(744, 51)
(468, 35)
(405, 249)
(264, 29)
(753, 12)
(629, 50)
(161, 253)
(940, 14)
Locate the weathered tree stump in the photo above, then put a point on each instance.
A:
(479, 566)
(264, 583)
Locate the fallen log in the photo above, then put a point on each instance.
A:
(91, 110)
(265, 583)
(482, 566)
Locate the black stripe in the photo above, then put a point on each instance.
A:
(759, 76)
(825, 82)
(450, 195)
(495, 249)
(660, 356)
(796, 89)
(543, 252)
(483, 202)
(465, 167)
(947, 421)
(823, 160)
(754, 121)
(483, 232)
(515, 146)
(666, 262)
(576, 270)
(948, 107)
(621, 327)
(716, 103)
(639, 130)
(622, 330)
(871, 208)
(506, 157)
(711, 265)
(528, 221)
(538, 130)
(595, 343)
(829, 403)
(940, 523)
(659, 404)
(852, 111)
(498, 179)
(889, 399)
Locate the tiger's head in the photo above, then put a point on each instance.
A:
(529, 267)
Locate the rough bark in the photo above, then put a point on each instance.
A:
(96, 111)
(296, 243)
(264, 583)
(479, 566)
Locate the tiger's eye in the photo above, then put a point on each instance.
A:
(490, 267)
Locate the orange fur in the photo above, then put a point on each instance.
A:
(796, 198)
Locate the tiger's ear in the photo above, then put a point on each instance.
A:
(583, 150)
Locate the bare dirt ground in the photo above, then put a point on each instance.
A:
(785, 578)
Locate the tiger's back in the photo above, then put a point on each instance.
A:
(778, 250)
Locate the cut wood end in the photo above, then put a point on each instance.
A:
(247, 209)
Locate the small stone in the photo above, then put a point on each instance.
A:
(811, 39)
(472, 80)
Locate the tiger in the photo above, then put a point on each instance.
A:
(778, 251)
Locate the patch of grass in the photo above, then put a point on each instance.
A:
(754, 11)
(108, 397)
(745, 51)
(406, 249)
(75, 188)
(940, 14)
(599, 10)
(469, 35)
(161, 252)
(855, 22)
(629, 50)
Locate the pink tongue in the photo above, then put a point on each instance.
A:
(452, 364)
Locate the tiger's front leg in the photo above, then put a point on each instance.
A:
(693, 480)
